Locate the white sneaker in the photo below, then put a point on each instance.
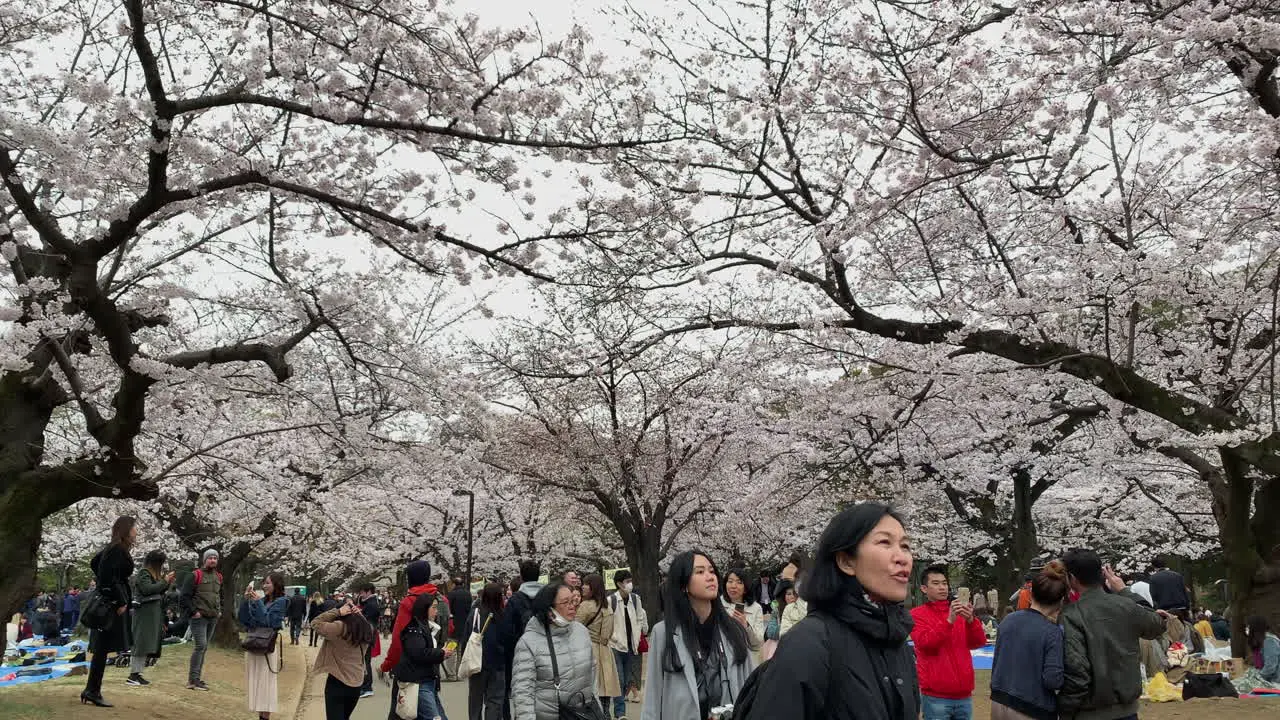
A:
(366, 693)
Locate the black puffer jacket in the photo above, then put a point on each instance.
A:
(848, 662)
(419, 658)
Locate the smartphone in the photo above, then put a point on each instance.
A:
(740, 607)
(963, 596)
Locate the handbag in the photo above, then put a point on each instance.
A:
(262, 641)
(642, 647)
(579, 706)
(95, 614)
(473, 655)
(406, 701)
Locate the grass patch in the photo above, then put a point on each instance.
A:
(165, 699)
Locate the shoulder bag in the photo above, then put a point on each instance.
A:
(262, 641)
(473, 655)
(579, 706)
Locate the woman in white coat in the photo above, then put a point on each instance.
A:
(699, 656)
(742, 607)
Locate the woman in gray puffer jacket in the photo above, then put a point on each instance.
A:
(533, 689)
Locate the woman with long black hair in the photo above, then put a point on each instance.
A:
(849, 656)
(112, 568)
(487, 690)
(347, 635)
(699, 656)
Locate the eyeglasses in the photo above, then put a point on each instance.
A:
(567, 602)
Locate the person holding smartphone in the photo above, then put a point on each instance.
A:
(347, 636)
(742, 607)
(944, 633)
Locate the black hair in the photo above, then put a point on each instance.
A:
(678, 613)
(1085, 566)
(515, 584)
(356, 629)
(154, 561)
(746, 586)
(491, 600)
(934, 569)
(826, 585)
(277, 586)
(1159, 563)
(422, 607)
(780, 596)
(366, 587)
(620, 577)
(530, 570)
(1255, 632)
(545, 601)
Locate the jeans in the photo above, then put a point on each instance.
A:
(295, 630)
(430, 707)
(485, 695)
(944, 709)
(339, 700)
(627, 664)
(201, 629)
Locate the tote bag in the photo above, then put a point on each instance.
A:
(473, 656)
(407, 701)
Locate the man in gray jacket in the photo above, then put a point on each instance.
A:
(1101, 631)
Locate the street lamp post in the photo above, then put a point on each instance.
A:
(471, 527)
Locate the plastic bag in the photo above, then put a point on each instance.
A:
(1158, 689)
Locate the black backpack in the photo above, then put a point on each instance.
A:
(1207, 685)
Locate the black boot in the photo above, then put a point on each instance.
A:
(95, 699)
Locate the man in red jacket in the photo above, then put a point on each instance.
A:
(418, 574)
(944, 633)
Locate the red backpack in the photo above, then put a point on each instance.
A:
(200, 577)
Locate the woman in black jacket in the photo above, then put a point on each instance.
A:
(849, 657)
(112, 568)
(420, 658)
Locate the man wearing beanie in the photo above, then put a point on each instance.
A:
(418, 574)
(202, 600)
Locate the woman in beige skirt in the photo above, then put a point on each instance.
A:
(263, 609)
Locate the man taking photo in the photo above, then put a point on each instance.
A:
(944, 633)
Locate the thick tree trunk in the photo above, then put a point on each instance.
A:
(1026, 541)
(644, 557)
(1249, 541)
(20, 532)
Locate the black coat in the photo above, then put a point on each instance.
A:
(850, 662)
(297, 608)
(419, 657)
(112, 569)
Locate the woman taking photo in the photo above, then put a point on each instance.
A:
(742, 607)
(420, 657)
(1028, 668)
(594, 612)
(149, 585)
(699, 656)
(265, 609)
(347, 634)
(856, 628)
(784, 595)
(552, 633)
(488, 688)
(112, 567)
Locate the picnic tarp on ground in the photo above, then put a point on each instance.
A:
(57, 666)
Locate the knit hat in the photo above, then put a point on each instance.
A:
(210, 553)
(418, 572)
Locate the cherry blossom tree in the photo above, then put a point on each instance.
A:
(1077, 189)
(179, 176)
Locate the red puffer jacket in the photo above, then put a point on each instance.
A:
(943, 662)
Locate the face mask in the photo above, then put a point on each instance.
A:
(559, 621)
(626, 586)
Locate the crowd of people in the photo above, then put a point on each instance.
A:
(829, 636)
